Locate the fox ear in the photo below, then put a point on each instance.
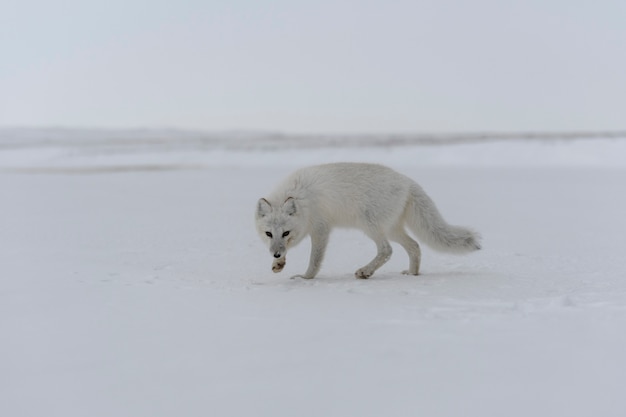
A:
(263, 208)
(289, 206)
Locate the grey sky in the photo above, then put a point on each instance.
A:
(315, 66)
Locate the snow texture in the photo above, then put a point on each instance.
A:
(132, 283)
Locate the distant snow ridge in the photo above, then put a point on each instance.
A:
(250, 140)
(64, 150)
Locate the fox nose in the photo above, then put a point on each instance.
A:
(277, 255)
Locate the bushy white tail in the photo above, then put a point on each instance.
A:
(426, 222)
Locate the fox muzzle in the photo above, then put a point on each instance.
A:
(277, 249)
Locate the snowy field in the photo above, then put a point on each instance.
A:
(132, 283)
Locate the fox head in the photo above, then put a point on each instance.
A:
(279, 226)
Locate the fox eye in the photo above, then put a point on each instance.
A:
(268, 234)
(286, 233)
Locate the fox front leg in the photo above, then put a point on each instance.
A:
(319, 241)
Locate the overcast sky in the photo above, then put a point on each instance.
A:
(315, 66)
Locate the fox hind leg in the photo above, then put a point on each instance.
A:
(411, 247)
(382, 256)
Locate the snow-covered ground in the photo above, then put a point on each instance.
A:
(132, 283)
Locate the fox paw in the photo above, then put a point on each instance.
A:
(278, 265)
(301, 276)
(407, 272)
(363, 273)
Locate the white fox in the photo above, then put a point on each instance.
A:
(370, 197)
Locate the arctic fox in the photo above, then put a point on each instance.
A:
(373, 198)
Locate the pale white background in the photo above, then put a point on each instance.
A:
(314, 66)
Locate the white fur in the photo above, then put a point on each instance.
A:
(373, 198)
